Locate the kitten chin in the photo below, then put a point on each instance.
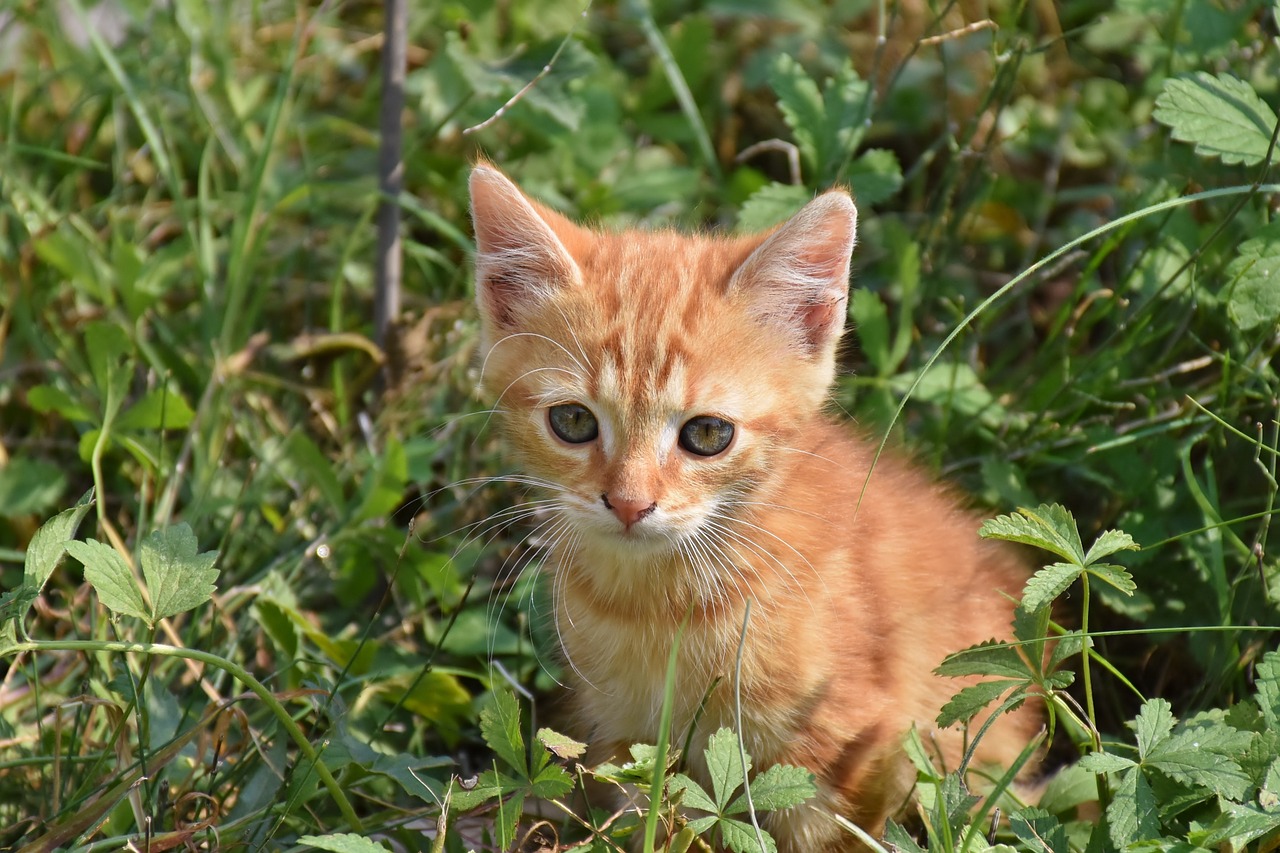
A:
(669, 389)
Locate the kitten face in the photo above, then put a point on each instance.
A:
(653, 381)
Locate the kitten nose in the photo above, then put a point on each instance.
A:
(627, 510)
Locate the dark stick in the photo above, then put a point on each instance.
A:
(390, 172)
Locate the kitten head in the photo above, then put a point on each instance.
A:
(655, 382)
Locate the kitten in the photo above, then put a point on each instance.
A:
(668, 392)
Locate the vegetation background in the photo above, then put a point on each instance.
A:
(187, 193)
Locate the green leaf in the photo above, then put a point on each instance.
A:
(1153, 724)
(771, 204)
(1109, 543)
(875, 176)
(1105, 762)
(1254, 301)
(801, 104)
(1116, 576)
(561, 746)
(781, 786)
(1203, 757)
(1222, 116)
(162, 408)
(1240, 825)
(724, 765)
(742, 838)
(1047, 584)
(551, 782)
(972, 699)
(110, 576)
(871, 319)
(50, 542)
(1048, 526)
(990, 658)
(342, 842)
(107, 345)
(1268, 685)
(900, 840)
(178, 578)
(1132, 814)
(693, 795)
(487, 786)
(1040, 830)
(29, 486)
(46, 398)
(500, 727)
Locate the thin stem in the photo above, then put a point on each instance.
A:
(232, 669)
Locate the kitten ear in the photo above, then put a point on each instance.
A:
(520, 258)
(797, 280)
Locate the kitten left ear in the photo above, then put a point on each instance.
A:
(797, 280)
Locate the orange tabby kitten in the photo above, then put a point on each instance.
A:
(668, 393)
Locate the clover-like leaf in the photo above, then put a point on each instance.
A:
(724, 765)
(110, 576)
(178, 578)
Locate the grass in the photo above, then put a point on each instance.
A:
(186, 282)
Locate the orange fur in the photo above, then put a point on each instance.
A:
(853, 601)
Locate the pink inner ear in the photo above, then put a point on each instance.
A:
(520, 259)
(798, 279)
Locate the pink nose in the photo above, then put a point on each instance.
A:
(627, 510)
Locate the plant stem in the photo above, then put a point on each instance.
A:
(232, 669)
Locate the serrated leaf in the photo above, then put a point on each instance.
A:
(875, 176)
(742, 837)
(781, 786)
(771, 204)
(968, 702)
(1047, 584)
(724, 765)
(1040, 830)
(1048, 526)
(1153, 724)
(1133, 814)
(487, 786)
(801, 105)
(1109, 543)
(1239, 824)
(551, 782)
(1255, 280)
(1116, 576)
(342, 842)
(1203, 757)
(694, 796)
(49, 543)
(108, 573)
(1105, 762)
(500, 728)
(992, 658)
(560, 745)
(1222, 116)
(178, 578)
(900, 840)
(1268, 685)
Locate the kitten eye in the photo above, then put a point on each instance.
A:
(705, 435)
(573, 422)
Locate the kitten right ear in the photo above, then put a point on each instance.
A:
(797, 280)
(520, 259)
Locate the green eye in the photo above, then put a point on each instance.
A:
(573, 422)
(705, 435)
